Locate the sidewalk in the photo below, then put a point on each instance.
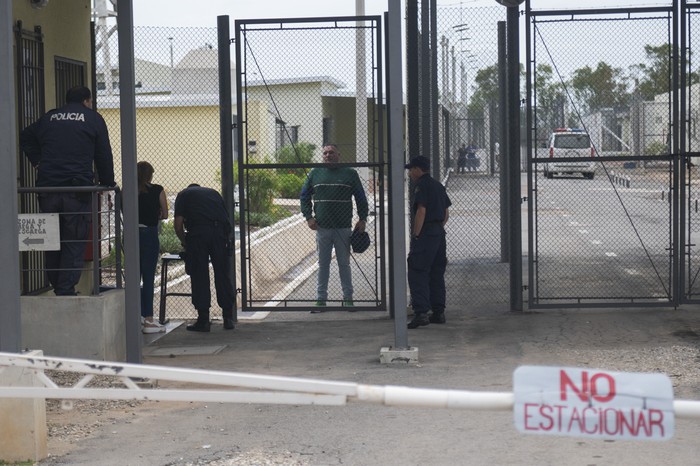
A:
(477, 349)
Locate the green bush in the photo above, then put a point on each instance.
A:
(262, 188)
(289, 185)
(169, 242)
(302, 152)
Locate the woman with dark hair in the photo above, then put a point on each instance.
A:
(153, 207)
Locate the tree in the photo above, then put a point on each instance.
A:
(485, 90)
(602, 87)
(654, 78)
(551, 100)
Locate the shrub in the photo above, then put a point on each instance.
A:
(262, 187)
(169, 242)
(302, 152)
(289, 185)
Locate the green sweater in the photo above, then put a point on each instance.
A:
(331, 190)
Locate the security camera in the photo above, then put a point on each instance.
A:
(510, 3)
(39, 3)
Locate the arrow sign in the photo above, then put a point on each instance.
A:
(38, 232)
(29, 241)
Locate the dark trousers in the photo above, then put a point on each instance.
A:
(427, 261)
(64, 267)
(204, 242)
(149, 248)
(461, 163)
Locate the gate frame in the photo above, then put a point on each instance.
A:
(677, 157)
(380, 165)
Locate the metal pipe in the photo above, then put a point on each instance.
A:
(513, 85)
(127, 104)
(10, 313)
(225, 131)
(412, 79)
(397, 193)
(503, 136)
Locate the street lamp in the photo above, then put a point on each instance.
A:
(171, 52)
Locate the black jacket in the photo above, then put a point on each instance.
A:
(65, 143)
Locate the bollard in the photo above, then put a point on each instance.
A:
(629, 180)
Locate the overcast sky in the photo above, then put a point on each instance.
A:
(204, 12)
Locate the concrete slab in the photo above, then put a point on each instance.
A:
(170, 325)
(186, 351)
(389, 355)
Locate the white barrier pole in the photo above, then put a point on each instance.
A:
(281, 390)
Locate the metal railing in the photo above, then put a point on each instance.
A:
(105, 240)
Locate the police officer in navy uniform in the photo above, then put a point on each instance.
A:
(63, 145)
(427, 256)
(203, 226)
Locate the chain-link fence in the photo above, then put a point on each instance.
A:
(469, 94)
(591, 240)
(177, 121)
(300, 92)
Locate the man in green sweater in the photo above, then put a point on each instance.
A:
(326, 202)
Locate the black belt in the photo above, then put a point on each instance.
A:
(213, 223)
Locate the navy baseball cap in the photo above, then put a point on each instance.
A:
(420, 162)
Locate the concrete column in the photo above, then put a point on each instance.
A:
(23, 431)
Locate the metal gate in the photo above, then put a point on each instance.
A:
(613, 236)
(302, 84)
(689, 270)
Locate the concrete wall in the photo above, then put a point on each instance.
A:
(66, 29)
(299, 104)
(182, 144)
(85, 327)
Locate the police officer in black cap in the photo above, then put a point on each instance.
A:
(427, 256)
(63, 145)
(201, 211)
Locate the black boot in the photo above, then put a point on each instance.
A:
(419, 320)
(437, 317)
(228, 320)
(202, 324)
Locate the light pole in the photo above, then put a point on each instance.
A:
(171, 52)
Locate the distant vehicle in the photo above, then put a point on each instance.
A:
(570, 143)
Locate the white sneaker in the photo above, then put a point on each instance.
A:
(151, 326)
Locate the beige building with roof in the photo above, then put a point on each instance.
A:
(178, 131)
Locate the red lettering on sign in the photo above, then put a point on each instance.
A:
(594, 387)
(547, 422)
(589, 388)
(656, 418)
(528, 416)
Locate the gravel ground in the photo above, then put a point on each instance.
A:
(67, 428)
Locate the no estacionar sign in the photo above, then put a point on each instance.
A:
(593, 403)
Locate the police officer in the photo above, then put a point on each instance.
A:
(63, 145)
(427, 256)
(202, 213)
